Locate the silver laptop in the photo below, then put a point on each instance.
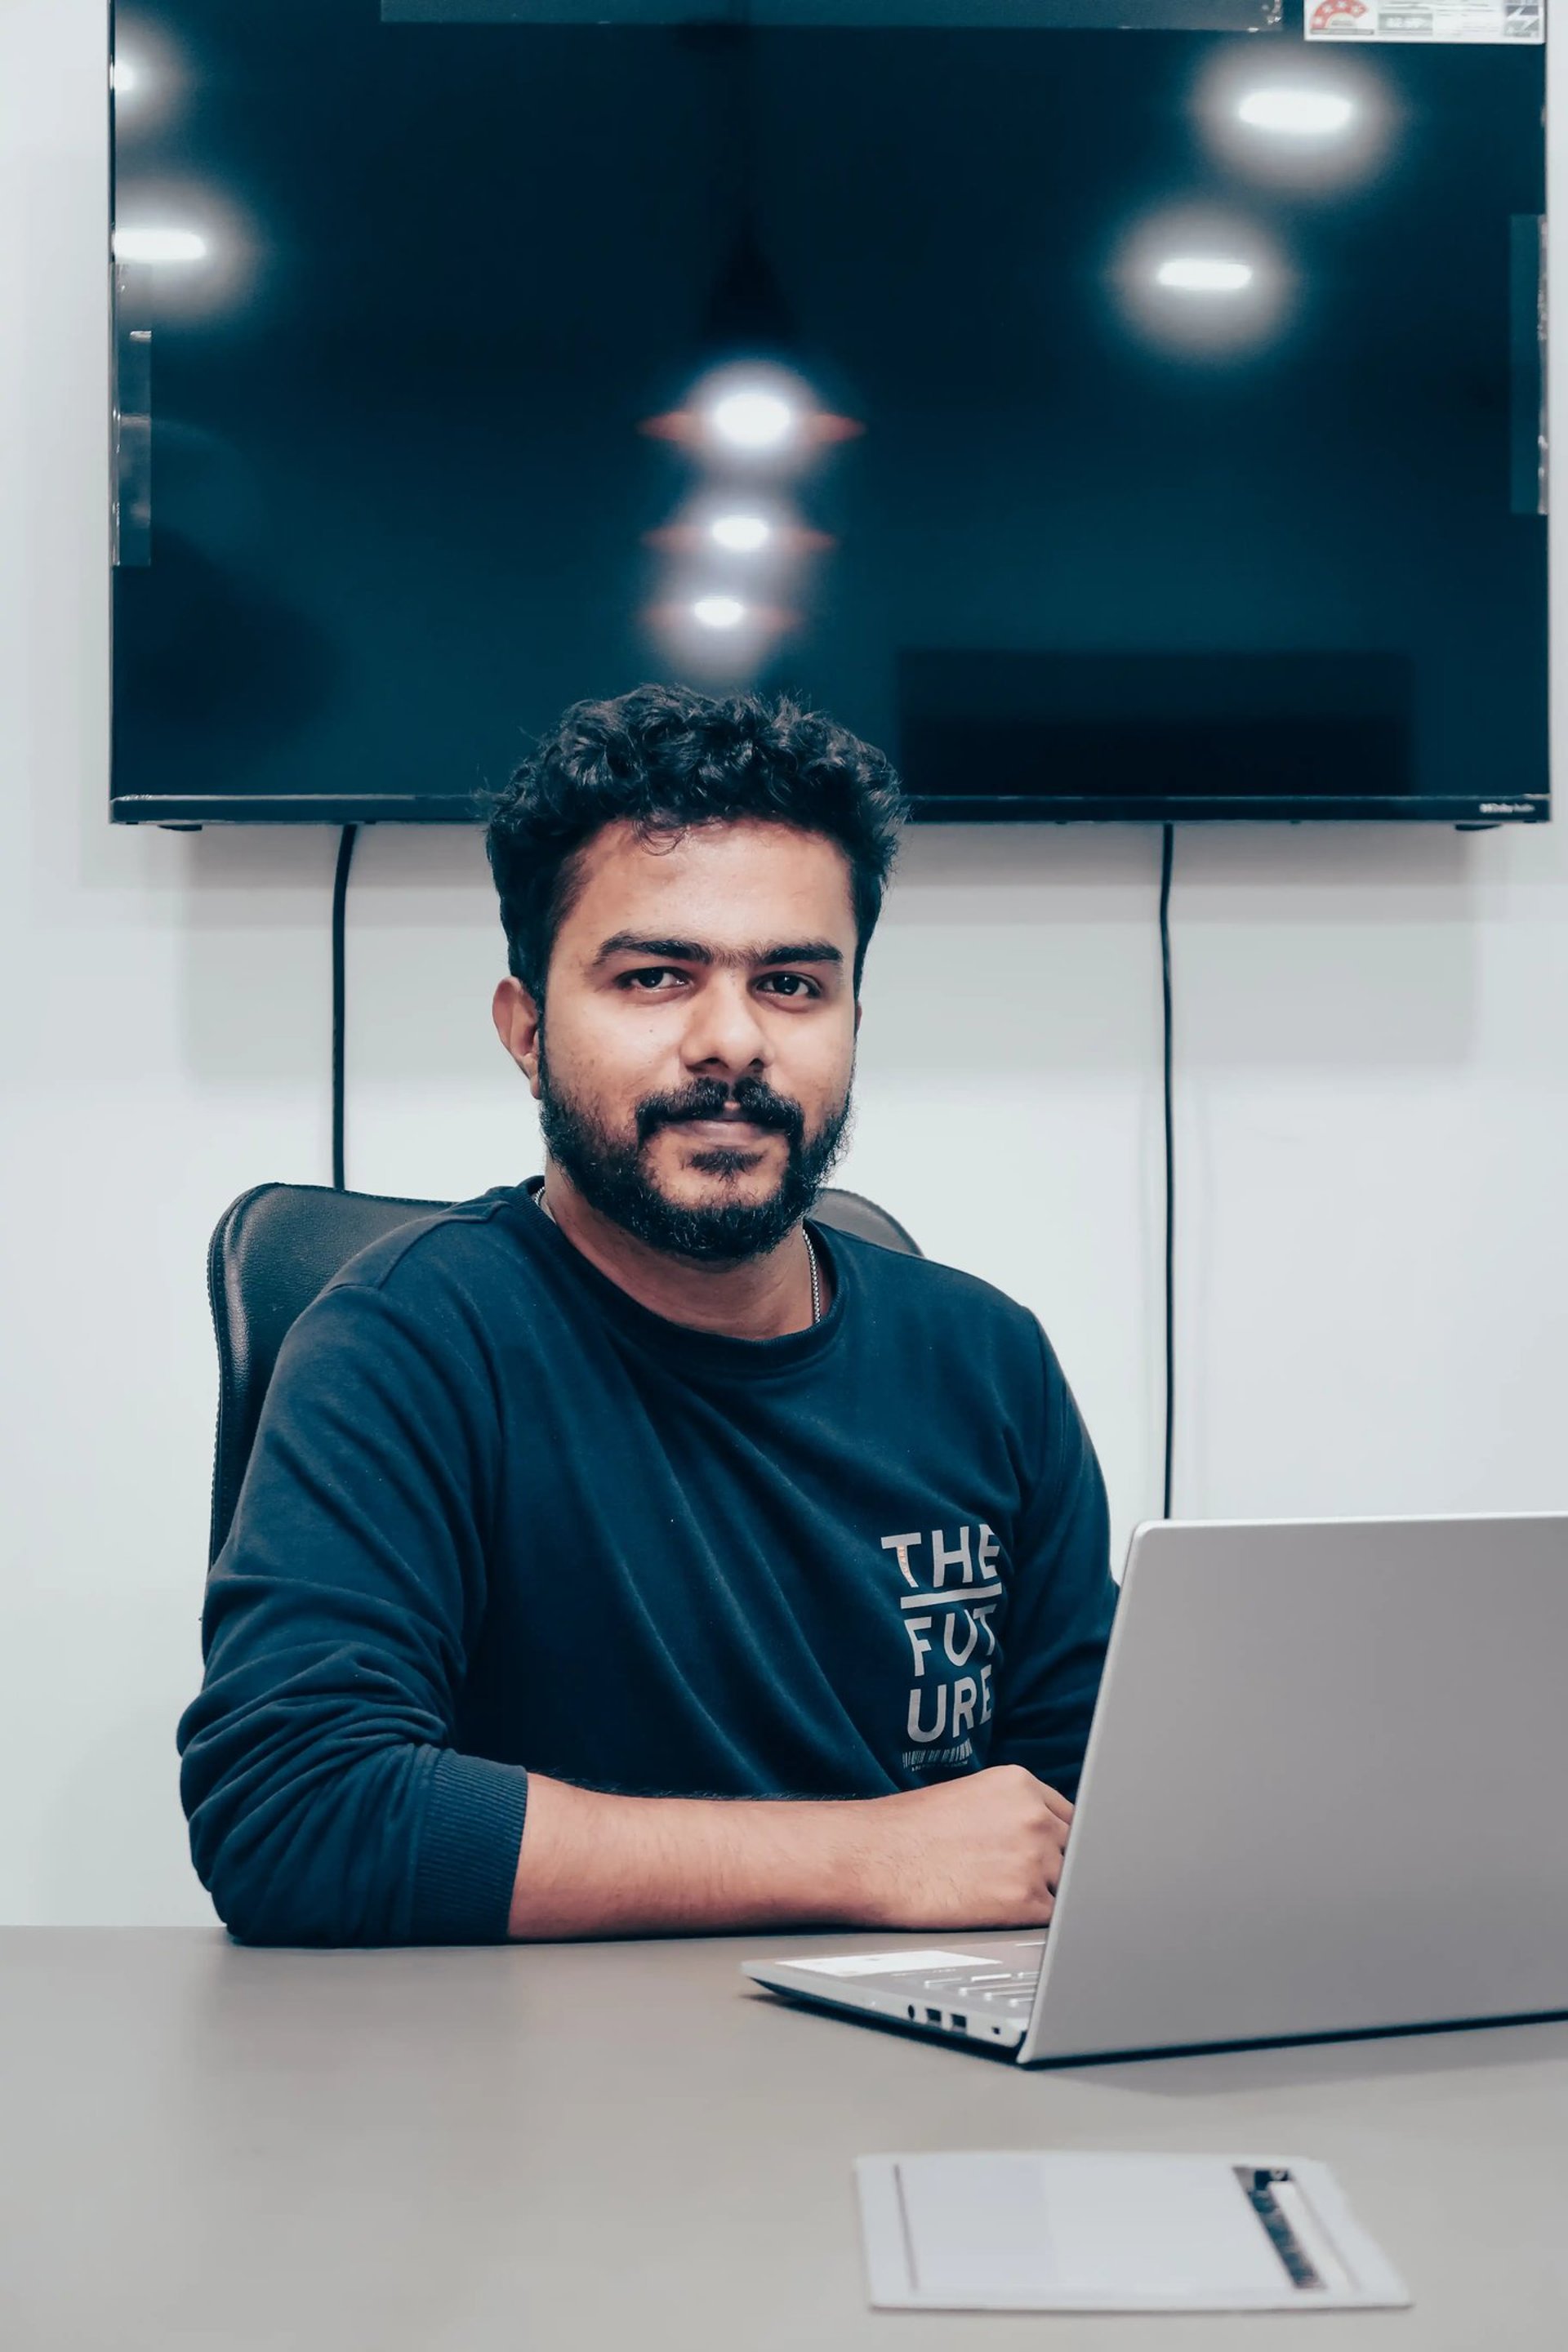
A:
(1326, 1793)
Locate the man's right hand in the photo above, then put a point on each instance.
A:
(983, 1851)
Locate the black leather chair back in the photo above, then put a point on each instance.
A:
(278, 1245)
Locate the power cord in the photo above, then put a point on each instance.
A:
(1167, 855)
(340, 900)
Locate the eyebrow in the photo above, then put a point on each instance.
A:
(694, 951)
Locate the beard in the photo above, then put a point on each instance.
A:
(609, 1171)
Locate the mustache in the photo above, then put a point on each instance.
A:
(710, 1098)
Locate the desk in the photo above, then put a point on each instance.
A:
(572, 2148)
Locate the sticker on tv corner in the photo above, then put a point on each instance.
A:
(1426, 20)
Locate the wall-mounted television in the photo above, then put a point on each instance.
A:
(1138, 422)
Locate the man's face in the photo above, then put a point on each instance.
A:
(694, 1061)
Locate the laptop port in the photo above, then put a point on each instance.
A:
(934, 2017)
(914, 2010)
(960, 2024)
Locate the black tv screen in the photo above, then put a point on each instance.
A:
(1109, 422)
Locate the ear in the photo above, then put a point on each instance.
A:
(517, 1019)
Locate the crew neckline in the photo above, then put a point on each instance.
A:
(700, 1350)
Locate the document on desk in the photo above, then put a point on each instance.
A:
(1061, 2230)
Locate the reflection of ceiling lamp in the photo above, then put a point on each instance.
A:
(1204, 274)
(755, 406)
(737, 531)
(159, 244)
(718, 611)
(753, 420)
(740, 534)
(1316, 126)
(753, 413)
(1208, 286)
(150, 78)
(694, 618)
(1298, 113)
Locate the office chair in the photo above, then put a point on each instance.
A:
(278, 1245)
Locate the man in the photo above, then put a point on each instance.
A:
(627, 1554)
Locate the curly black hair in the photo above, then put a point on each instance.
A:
(665, 757)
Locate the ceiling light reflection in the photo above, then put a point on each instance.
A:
(159, 244)
(772, 531)
(761, 415)
(718, 611)
(1299, 113)
(1204, 274)
(742, 534)
(1205, 284)
(753, 420)
(703, 628)
(1318, 124)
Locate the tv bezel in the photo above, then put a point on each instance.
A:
(190, 810)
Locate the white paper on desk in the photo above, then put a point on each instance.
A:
(1042, 2230)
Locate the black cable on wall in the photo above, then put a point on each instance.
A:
(1167, 855)
(340, 900)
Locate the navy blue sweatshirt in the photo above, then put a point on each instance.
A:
(499, 1518)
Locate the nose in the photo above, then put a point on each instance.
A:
(723, 1037)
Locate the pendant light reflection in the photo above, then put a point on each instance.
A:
(718, 611)
(149, 78)
(715, 632)
(1200, 274)
(740, 534)
(753, 420)
(188, 250)
(747, 423)
(1297, 113)
(759, 416)
(159, 244)
(1206, 288)
(761, 534)
(1325, 125)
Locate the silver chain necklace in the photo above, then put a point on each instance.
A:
(815, 1277)
(806, 1237)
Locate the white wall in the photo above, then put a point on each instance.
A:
(1373, 1136)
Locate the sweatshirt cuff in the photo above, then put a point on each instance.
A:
(467, 1855)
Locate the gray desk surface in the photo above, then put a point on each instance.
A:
(600, 2145)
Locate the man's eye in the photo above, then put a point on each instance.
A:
(791, 984)
(648, 978)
